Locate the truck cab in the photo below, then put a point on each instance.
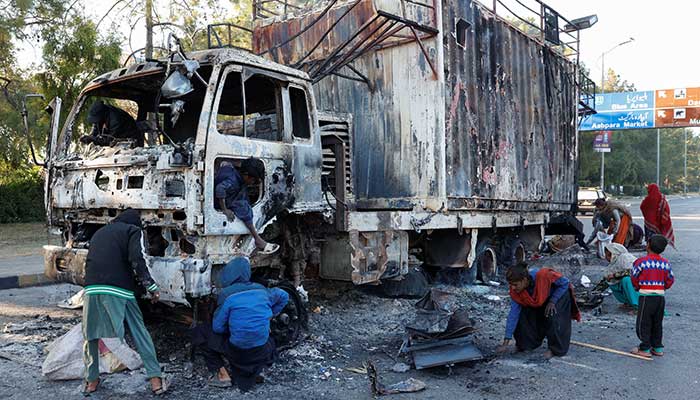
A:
(236, 106)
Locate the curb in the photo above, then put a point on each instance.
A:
(23, 281)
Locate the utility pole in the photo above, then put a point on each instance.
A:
(148, 52)
(602, 170)
(602, 91)
(685, 162)
(658, 156)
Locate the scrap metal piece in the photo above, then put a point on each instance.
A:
(409, 385)
(438, 316)
(444, 352)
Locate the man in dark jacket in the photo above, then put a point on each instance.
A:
(110, 123)
(115, 265)
(241, 327)
(231, 192)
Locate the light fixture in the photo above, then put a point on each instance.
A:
(581, 23)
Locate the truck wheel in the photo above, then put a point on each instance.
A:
(413, 285)
(487, 264)
(286, 328)
(513, 253)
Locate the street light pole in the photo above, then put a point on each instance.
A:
(602, 91)
(685, 162)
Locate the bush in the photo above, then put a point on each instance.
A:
(21, 195)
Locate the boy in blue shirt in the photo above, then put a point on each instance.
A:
(240, 330)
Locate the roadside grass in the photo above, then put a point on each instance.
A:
(24, 239)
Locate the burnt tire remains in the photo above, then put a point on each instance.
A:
(286, 328)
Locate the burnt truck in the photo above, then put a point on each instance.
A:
(394, 133)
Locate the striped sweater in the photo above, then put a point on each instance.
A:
(652, 275)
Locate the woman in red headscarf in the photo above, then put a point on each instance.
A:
(657, 214)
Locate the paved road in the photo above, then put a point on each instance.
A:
(19, 265)
(582, 374)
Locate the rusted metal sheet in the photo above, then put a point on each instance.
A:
(505, 139)
(352, 21)
(397, 127)
(510, 113)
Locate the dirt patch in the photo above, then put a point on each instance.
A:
(25, 239)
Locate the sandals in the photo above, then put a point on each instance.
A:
(214, 381)
(86, 392)
(164, 384)
(270, 248)
(641, 353)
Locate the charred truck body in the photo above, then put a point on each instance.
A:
(392, 132)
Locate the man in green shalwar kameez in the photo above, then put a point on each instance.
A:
(115, 265)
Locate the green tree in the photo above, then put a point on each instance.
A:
(73, 54)
(613, 83)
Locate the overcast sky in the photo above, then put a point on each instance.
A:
(664, 52)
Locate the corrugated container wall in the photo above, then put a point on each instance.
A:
(396, 126)
(496, 129)
(510, 114)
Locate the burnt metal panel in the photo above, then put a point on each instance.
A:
(510, 113)
(395, 126)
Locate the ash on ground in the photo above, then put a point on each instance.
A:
(348, 327)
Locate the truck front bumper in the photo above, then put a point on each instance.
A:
(177, 278)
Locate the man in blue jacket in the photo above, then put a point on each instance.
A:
(240, 331)
(231, 192)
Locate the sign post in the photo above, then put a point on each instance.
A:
(602, 145)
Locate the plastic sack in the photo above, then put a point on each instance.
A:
(603, 240)
(65, 359)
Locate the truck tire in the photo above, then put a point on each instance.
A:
(513, 252)
(485, 264)
(286, 328)
(413, 285)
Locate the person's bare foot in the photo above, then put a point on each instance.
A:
(548, 354)
(91, 387)
(223, 375)
(158, 385)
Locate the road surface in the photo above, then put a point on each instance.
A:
(582, 374)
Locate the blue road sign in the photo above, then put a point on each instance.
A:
(624, 101)
(616, 120)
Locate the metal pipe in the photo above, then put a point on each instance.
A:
(602, 170)
(25, 120)
(685, 162)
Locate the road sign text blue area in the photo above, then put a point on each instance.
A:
(624, 101)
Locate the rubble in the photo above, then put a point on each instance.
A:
(350, 327)
(400, 367)
(409, 385)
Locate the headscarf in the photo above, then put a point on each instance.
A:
(657, 213)
(620, 260)
(544, 278)
(129, 216)
(234, 278)
(611, 205)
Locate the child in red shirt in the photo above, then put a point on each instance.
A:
(651, 276)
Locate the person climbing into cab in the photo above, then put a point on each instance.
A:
(240, 330)
(231, 192)
(110, 123)
(542, 305)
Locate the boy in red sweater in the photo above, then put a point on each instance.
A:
(651, 276)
